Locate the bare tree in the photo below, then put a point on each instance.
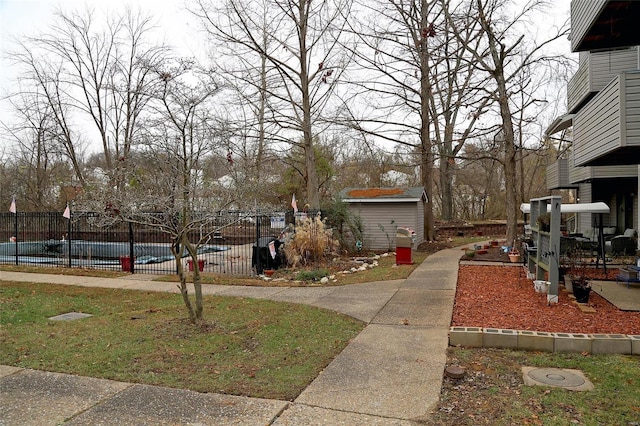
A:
(37, 159)
(48, 92)
(166, 191)
(298, 41)
(89, 72)
(394, 93)
(479, 190)
(186, 109)
(504, 56)
(458, 102)
(422, 88)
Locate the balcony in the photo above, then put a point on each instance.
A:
(558, 175)
(562, 175)
(596, 70)
(607, 128)
(604, 24)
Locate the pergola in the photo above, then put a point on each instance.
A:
(599, 208)
(546, 252)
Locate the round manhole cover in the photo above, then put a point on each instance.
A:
(556, 377)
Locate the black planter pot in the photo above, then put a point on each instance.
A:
(581, 293)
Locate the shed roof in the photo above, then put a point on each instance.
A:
(383, 195)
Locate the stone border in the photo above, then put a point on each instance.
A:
(477, 337)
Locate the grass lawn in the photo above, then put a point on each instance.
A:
(493, 393)
(82, 272)
(274, 350)
(246, 347)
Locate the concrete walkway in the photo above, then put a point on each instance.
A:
(390, 374)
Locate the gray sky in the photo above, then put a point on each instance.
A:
(28, 17)
(19, 17)
(175, 26)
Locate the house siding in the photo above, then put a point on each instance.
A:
(597, 125)
(558, 175)
(614, 171)
(604, 99)
(585, 220)
(583, 15)
(578, 86)
(578, 174)
(613, 216)
(605, 66)
(596, 70)
(390, 216)
(610, 120)
(632, 102)
(553, 175)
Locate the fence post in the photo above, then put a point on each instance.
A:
(132, 260)
(16, 235)
(256, 252)
(69, 239)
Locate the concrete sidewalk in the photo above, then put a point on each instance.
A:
(390, 374)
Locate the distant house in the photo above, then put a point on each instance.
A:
(603, 109)
(383, 210)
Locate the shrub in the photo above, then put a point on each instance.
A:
(314, 275)
(311, 242)
(349, 227)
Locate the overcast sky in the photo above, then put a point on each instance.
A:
(176, 26)
(19, 17)
(28, 17)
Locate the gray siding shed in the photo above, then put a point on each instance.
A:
(382, 214)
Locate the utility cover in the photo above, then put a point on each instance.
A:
(556, 377)
(70, 316)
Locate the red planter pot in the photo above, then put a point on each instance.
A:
(200, 265)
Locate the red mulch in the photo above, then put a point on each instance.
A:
(502, 297)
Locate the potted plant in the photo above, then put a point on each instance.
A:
(514, 254)
(579, 279)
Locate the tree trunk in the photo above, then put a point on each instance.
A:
(509, 162)
(261, 110)
(446, 174)
(177, 250)
(426, 157)
(446, 189)
(313, 198)
(197, 285)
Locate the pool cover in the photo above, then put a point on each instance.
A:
(95, 253)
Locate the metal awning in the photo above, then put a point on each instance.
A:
(559, 124)
(598, 207)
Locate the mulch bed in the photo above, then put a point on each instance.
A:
(502, 297)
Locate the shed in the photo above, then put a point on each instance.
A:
(383, 210)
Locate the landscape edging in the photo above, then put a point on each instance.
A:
(544, 341)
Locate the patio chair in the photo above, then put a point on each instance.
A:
(625, 244)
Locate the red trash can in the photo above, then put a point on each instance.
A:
(125, 263)
(404, 246)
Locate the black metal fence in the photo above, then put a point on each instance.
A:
(233, 242)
